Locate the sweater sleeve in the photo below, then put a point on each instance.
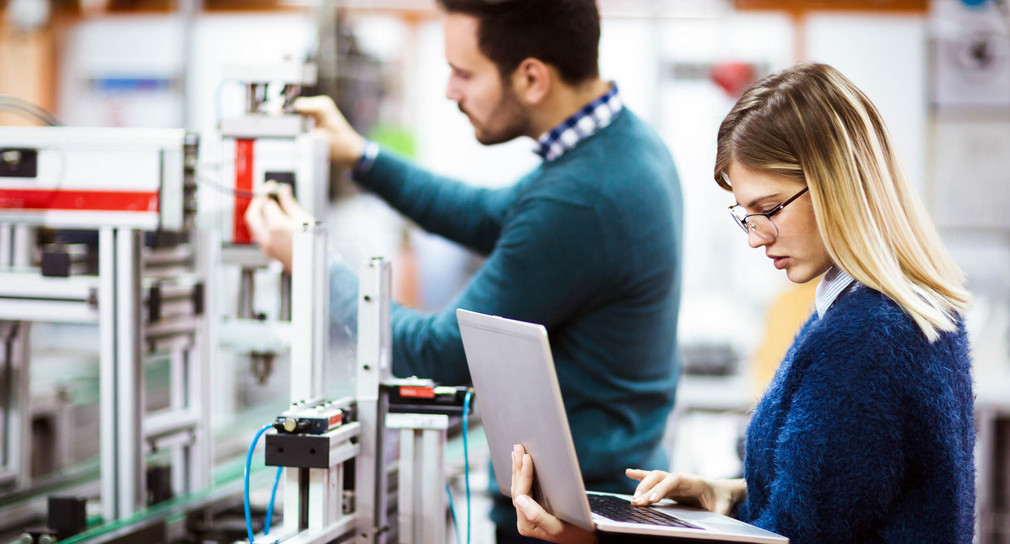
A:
(468, 215)
(838, 460)
(546, 265)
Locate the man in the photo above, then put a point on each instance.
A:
(588, 243)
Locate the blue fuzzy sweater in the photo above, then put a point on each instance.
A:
(866, 433)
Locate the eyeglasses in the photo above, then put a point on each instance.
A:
(760, 223)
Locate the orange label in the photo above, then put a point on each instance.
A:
(417, 392)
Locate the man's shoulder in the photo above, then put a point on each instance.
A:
(626, 145)
(613, 169)
(627, 126)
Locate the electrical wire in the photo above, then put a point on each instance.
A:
(248, 465)
(34, 109)
(200, 178)
(466, 461)
(277, 477)
(13, 103)
(241, 193)
(14, 108)
(270, 507)
(452, 511)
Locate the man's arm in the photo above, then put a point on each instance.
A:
(467, 215)
(550, 263)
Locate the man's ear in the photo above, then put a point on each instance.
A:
(533, 81)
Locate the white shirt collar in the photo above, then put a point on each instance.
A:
(835, 281)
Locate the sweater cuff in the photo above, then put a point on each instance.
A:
(385, 173)
(367, 159)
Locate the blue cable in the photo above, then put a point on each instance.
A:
(248, 466)
(452, 511)
(277, 478)
(270, 507)
(466, 462)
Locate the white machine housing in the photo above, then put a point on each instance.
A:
(248, 162)
(95, 177)
(261, 145)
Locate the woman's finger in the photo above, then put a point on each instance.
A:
(648, 483)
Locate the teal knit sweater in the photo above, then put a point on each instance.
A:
(588, 245)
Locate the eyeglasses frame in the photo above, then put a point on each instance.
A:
(742, 221)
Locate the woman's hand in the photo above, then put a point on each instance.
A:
(718, 496)
(534, 521)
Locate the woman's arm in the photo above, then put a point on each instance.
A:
(720, 496)
(715, 495)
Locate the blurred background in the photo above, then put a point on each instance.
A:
(938, 70)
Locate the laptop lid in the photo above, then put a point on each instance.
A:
(511, 366)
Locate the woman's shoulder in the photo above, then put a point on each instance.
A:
(862, 312)
(864, 326)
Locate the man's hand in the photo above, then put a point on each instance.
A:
(273, 223)
(346, 145)
(533, 520)
(713, 495)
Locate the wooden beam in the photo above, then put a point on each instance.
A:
(27, 70)
(802, 7)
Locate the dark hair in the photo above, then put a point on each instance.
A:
(562, 33)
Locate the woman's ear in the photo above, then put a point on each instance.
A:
(532, 81)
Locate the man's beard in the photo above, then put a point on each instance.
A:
(507, 121)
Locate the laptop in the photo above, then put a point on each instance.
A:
(520, 403)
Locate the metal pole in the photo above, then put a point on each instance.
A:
(374, 369)
(15, 423)
(129, 369)
(207, 251)
(6, 244)
(310, 313)
(107, 373)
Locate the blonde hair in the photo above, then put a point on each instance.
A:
(811, 124)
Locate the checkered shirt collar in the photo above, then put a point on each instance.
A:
(591, 119)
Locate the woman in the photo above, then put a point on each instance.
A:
(866, 433)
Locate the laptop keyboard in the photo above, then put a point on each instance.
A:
(619, 509)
